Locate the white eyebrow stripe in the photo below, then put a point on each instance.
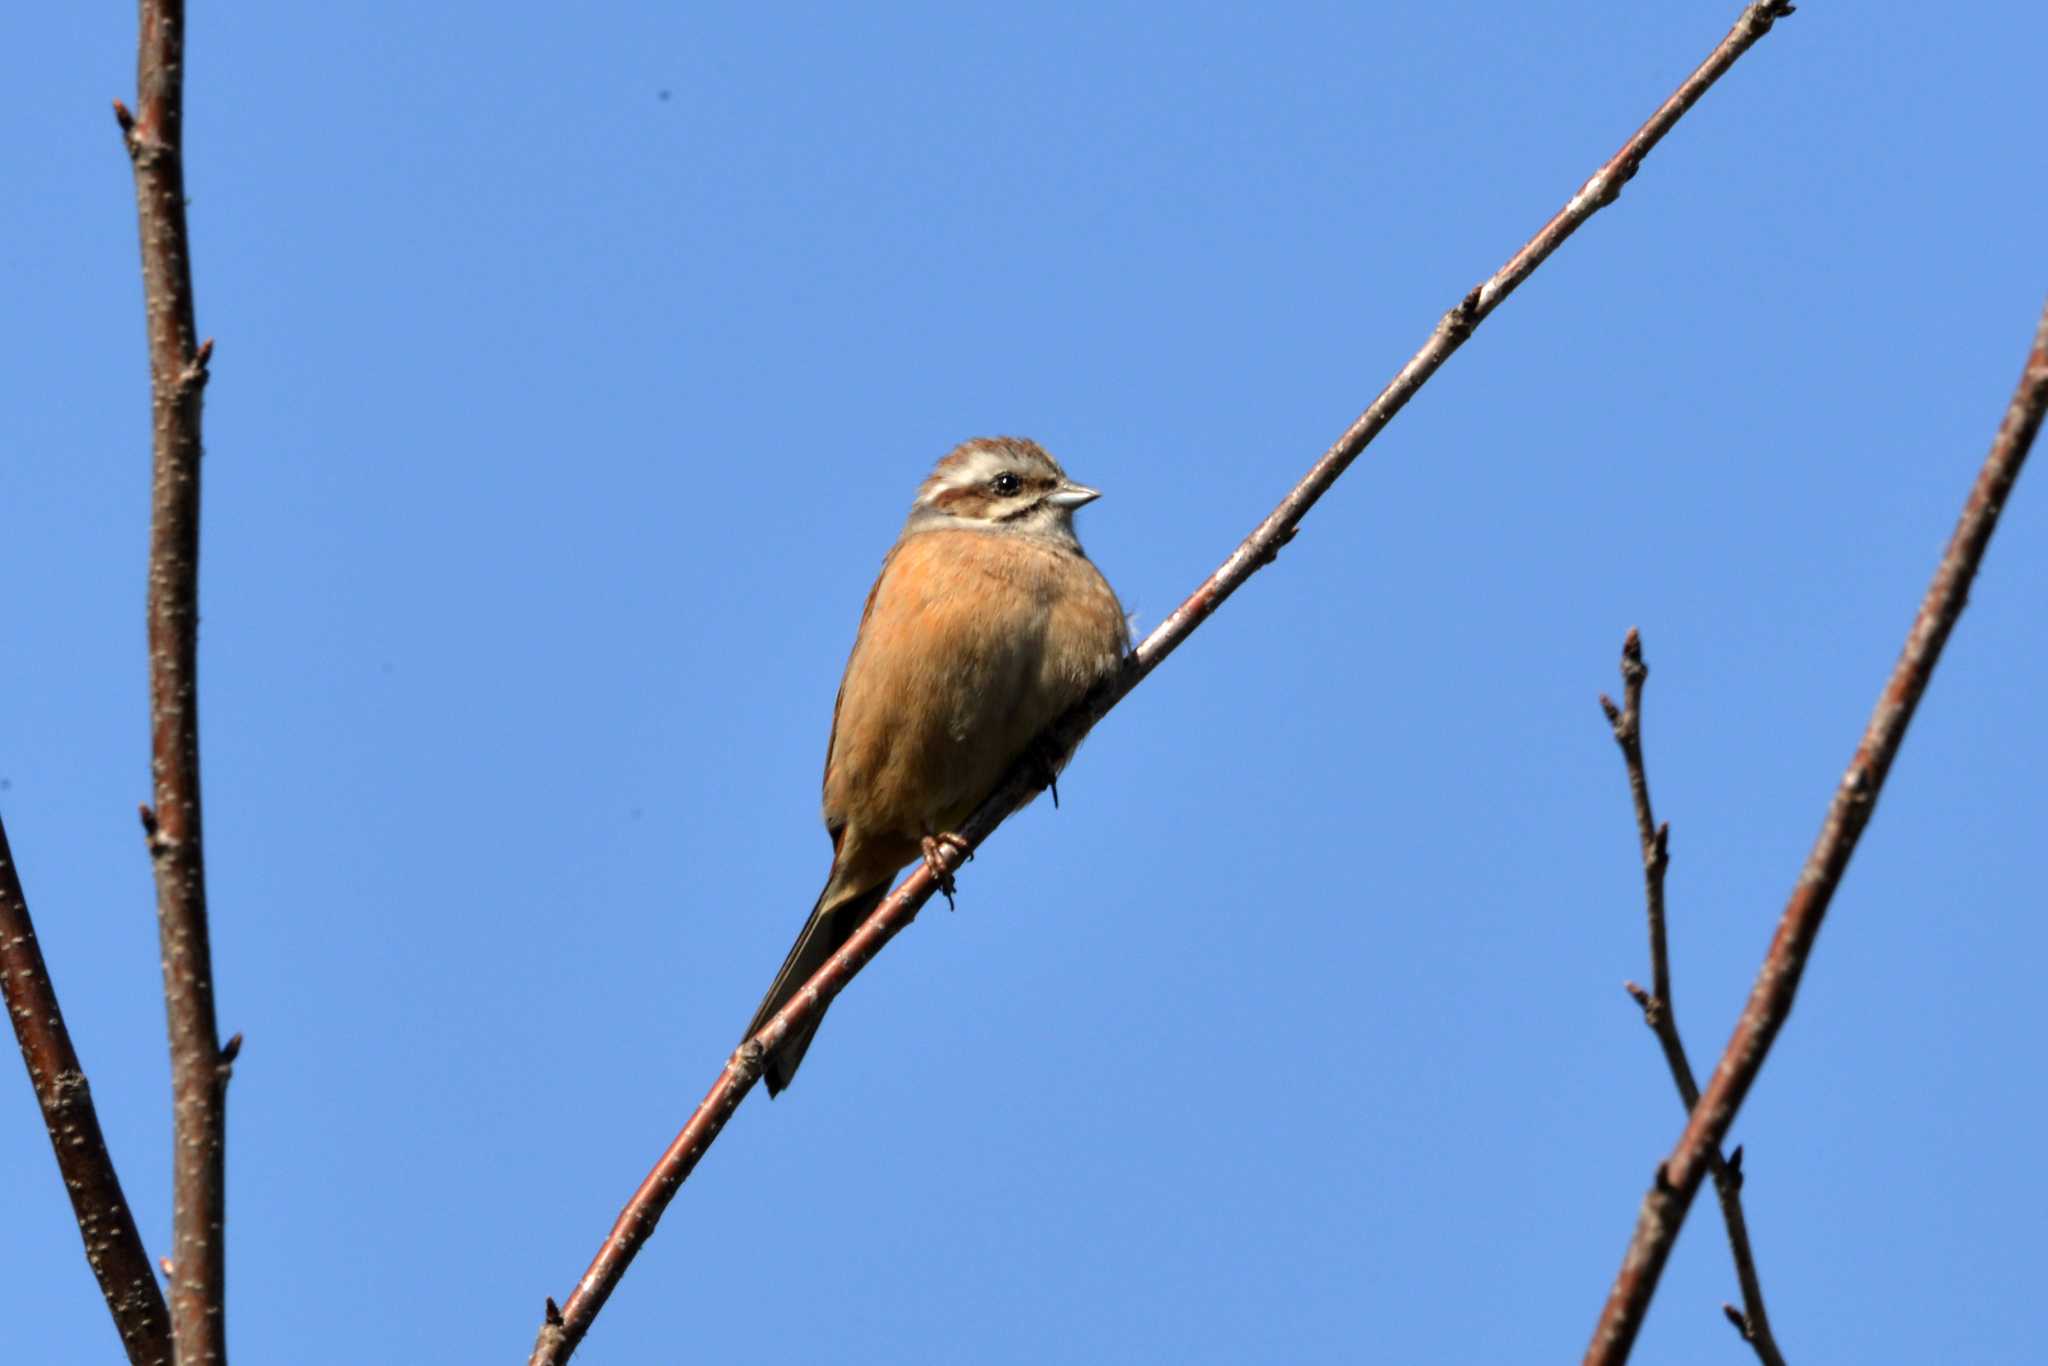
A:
(977, 467)
(974, 465)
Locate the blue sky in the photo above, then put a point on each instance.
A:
(573, 373)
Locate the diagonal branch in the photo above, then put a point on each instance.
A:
(1661, 1015)
(154, 135)
(1770, 1000)
(113, 1246)
(566, 1325)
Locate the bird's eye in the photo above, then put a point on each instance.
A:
(1005, 484)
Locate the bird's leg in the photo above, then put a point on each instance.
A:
(937, 867)
(1045, 765)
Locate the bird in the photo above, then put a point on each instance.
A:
(986, 623)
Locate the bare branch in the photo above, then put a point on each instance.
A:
(557, 1340)
(1770, 1000)
(1661, 1015)
(153, 134)
(113, 1246)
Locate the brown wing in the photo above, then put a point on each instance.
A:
(832, 741)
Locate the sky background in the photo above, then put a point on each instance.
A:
(575, 367)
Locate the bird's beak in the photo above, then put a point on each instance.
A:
(1071, 495)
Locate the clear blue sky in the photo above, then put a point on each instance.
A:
(574, 370)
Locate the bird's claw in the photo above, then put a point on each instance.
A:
(936, 866)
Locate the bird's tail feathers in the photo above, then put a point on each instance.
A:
(833, 921)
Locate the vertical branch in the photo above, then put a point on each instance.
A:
(177, 371)
(113, 1246)
(1659, 1012)
(1770, 1000)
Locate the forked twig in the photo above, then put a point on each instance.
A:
(1770, 1000)
(565, 1325)
(1659, 1012)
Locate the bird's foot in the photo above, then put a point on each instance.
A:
(936, 866)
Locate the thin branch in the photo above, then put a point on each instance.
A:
(113, 1246)
(1770, 1000)
(1627, 721)
(177, 371)
(564, 1328)
(1659, 1012)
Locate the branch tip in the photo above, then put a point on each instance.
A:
(1736, 1317)
(554, 1313)
(231, 1050)
(124, 118)
(1612, 712)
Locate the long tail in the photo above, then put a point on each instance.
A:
(832, 923)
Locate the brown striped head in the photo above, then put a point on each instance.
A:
(1000, 483)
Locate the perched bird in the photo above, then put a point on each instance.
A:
(986, 624)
